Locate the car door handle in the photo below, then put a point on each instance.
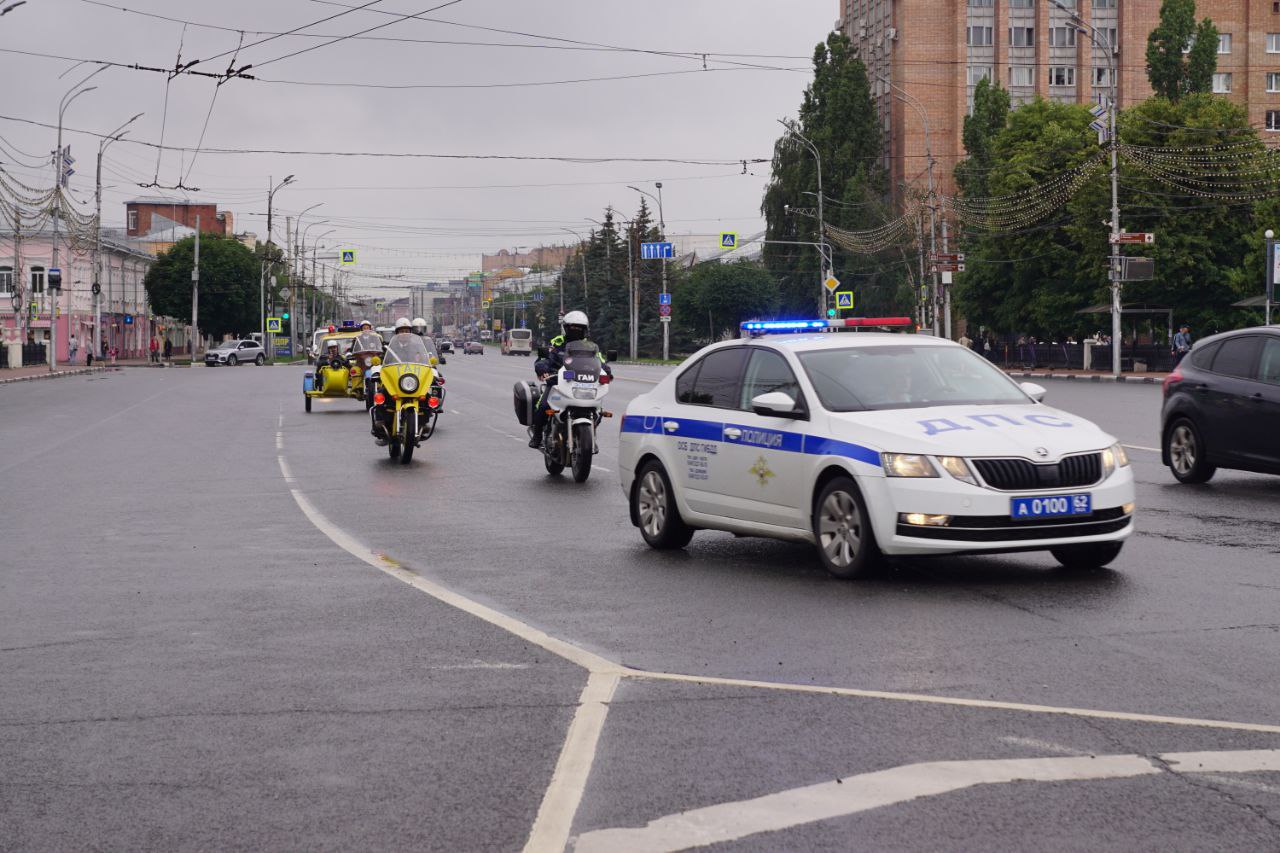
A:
(671, 426)
(733, 432)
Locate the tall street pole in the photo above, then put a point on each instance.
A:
(822, 223)
(262, 279)
(1269, 260)
(113, 136)
(195, 296)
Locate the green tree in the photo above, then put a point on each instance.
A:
(718, 297)
(228, 284)
(989, 116)
(838, 115)
(1174, 74)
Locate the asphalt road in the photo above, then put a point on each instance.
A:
(225, 623)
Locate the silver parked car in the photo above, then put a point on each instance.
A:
(236, 352)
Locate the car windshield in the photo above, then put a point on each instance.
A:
(407, 348)
(228, 345)
(906, 377)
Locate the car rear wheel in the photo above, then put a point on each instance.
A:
(1187, 458)
(260, 360)
(842, 530)
(1083, 558)
(653, 504)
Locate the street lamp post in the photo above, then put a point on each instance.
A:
(662, 235)
(58, 166)
(822, 223)
(1108, 50)
(113, 136)
(1270, 261)
(262, 278)
(582, 253)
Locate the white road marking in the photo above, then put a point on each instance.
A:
(1043, 745)
(1140, 447)
(865, 791)
(279, 441)
(569, 780)
(479, 664)
(605, 470)
(929, 699)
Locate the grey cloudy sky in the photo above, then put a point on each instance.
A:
(425, 218)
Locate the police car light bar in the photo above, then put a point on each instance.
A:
(759, 327)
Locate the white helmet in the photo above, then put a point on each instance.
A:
(420, 325)
(364, 323)
(402, 323)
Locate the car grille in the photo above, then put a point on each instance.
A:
(1016, 475)
(1026, 532)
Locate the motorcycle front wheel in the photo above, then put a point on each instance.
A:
(583, 449)
(409, 427)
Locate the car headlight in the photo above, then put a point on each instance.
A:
(907, 465)
(958, 468)
(1112, 458)
(408, 383)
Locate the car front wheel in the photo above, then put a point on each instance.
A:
(842, 530)
(1186, 450)
(260, 360)
(653, 504)
(232, 360)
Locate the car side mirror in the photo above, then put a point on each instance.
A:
(542, 352)
(611, 355)
(1034, 391)
(776, 404)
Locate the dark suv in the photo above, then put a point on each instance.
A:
(1222, 406)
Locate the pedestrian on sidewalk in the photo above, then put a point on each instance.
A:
(155, 350)
(72, 346)
(1181, 344)
(168, 349)
(113, 352)
(965, 341)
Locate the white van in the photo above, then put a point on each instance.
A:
(517, 342)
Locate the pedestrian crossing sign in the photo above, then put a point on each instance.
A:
(844, 299)
(274, 324)
(347, 257)
(728, 240)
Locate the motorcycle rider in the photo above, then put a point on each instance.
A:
(575, 326)
(334, 359)
(420, 327)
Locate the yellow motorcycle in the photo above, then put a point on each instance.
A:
(407, 397)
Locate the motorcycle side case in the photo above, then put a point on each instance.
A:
(308, 382)
(524, 396)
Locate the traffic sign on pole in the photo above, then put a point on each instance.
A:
(664, 298)
(947, 267)
(941, 258)
(664, 311)
(728, 240)
(1138, 237)
(274, 324)
(831, 283)
(347, 257)
(844, 300)
(656, 251)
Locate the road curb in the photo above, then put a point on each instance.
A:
(1078, 377)
(84, 371)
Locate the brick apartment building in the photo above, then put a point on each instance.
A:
(938, 51)
(546, 257)
(149, 215)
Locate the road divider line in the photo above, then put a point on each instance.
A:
(853, 794)
(989, 704)
(560, 803)
(1140, 447)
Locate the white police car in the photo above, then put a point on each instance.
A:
(869, 444)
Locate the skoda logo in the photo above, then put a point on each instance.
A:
(1042, 452)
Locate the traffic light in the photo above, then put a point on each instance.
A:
(285, 315)
(831, 312)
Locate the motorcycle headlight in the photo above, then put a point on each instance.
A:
(957, 468)
(368, 361)
(1112, 458)
(408, 383)
(907, 465)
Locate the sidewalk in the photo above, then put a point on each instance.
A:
(1087, 376)
(41, 371)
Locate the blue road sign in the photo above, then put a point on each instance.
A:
(522, 304)
(537, 297)
(656, 251)
(664, 298)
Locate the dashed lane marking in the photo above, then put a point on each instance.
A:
(865, 791)
(1140, 447)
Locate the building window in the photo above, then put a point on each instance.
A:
(1022, 36)
(37, 279)
(1062, 75)
(1062, 36)
(984, 3)
(979, 36)
(1273, 81)
(1222, 84)
(1104, 4)
(1101, 76)
(1273, 119)
(1224, 42)
(1022, 4)
(1022, 75)
(6, 280)
(1109, 37)
(978, 73)
(1273, 42)
(133, 220)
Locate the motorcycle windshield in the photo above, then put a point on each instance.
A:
(582, 358)
(406, 349)
(367, 342)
